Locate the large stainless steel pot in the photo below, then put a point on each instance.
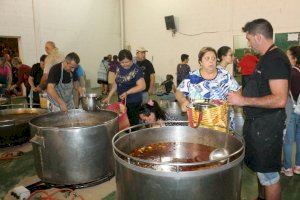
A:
(74, 148)
(14, 128)
(136, 182)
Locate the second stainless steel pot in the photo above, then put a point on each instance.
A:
(74, 148)
(14, 128)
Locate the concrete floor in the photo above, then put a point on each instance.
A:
(21, 172)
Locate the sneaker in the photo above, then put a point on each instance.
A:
(297, 169)
(287, 172)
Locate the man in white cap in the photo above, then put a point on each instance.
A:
(148, 71)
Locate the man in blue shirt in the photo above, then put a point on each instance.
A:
(81, 83)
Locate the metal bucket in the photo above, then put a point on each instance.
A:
(173, 109)
(74, 148)
(239, 122)
(90, 102)
(136, 182)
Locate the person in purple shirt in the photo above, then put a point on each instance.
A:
(183, 69)
(129, 84)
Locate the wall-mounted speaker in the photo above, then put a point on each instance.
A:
(170, 22)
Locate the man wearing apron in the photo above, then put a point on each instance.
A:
(60, 84)
(263, 99)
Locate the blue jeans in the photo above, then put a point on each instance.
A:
(292, 134)
(267, 179)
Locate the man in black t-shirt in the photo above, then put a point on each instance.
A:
(264, 98)
(35, 77)
(148, 71)
(60, 84)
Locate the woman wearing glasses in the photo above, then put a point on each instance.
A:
(209, 82)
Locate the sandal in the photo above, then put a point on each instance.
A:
(11, 155)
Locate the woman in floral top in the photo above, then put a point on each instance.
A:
(207, 83)
(129, 84)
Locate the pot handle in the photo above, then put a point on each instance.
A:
(38, 140)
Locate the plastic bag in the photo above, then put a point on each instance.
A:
(121, 109)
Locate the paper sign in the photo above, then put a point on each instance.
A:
(293, 37)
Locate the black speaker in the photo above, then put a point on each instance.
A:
(170, 23)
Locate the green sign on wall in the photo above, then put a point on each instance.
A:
(285, 40)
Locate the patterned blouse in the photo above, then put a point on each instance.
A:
(198, 88)
(195, 87)
(126, 79)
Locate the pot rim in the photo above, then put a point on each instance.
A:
(72, 128)
(16, 121)
(127, 131)
(90, 95)
(192, 173)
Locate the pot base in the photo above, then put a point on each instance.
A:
(44, 186)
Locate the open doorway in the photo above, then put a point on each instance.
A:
(10, 46)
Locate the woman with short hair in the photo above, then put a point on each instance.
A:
(207, 83)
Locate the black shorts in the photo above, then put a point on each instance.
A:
(102, 82)
(263, 138)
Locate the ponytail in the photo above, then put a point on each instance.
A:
(152, 106)
(159, 113)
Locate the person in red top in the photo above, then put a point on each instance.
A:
(23, 75)
(247, 65)
(5, 75)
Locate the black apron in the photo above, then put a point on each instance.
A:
(262, 132)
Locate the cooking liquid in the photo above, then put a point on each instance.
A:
(174, 152)
(75, 123)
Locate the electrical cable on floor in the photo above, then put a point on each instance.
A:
(50, 196)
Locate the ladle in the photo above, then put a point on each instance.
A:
(222, 152)
(218, 153)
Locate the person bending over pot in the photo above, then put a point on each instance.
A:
(151, 112)
(61, 80)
